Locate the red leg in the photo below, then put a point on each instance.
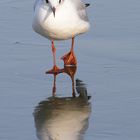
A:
(70, 58)
(55, 69)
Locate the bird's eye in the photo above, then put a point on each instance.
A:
(59, 1)
(47, 1)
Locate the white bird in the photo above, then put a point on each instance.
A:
(60, 20)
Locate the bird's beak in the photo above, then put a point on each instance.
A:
(53, 10)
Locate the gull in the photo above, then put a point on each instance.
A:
(60, 20)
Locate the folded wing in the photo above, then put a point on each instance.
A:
(81, 9)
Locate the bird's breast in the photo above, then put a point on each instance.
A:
(66, 23)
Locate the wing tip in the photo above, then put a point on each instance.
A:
(87, 4)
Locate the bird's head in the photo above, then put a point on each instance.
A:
(54, 4)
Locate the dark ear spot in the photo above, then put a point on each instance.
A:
(59, 1)
(47, 1)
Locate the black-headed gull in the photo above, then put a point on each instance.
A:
(60, 20)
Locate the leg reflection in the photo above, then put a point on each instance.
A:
(64, 118)
(69, 71)
(54, 86)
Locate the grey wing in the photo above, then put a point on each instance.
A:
(81, 9)
(35, 4)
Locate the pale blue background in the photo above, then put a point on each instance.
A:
(108, 62)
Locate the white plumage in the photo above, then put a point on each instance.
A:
(70, 19)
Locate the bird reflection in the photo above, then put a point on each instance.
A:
(64, 118)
